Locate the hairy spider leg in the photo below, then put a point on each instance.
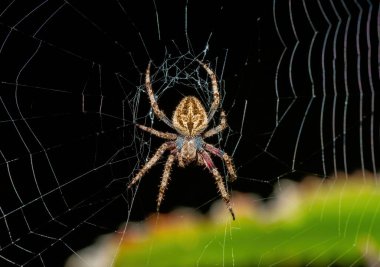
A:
(215, 91)
(218, 179)
(159, 113)
(222, 125)
(152, 161)
(225, 157)
(165, 179)
(166, 135)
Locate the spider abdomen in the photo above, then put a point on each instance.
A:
(190, 117)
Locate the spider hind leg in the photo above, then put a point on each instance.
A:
(226, 158)
(152, 161)
(207, 161)
(165, 180)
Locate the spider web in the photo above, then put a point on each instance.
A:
(299, 87)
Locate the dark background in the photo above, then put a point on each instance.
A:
(69, 74)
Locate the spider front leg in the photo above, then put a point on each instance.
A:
(215, 91)
(153, 160)
(218, 179)
(159, 113)
(165, 180)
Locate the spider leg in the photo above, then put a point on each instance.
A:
(219, 181)
(153, 160)
(170, 136)
(159, 113)
(222, 125)
(215, 91)
(224, 156)
(165, 179)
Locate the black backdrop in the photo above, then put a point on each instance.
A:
(254, 46)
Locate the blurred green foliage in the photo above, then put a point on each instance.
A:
(312, 223)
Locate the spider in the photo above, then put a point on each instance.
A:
(190, 120)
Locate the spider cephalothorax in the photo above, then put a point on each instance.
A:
(190, 120)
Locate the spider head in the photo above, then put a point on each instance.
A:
(190, 117)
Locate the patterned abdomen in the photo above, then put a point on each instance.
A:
(190, 117)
